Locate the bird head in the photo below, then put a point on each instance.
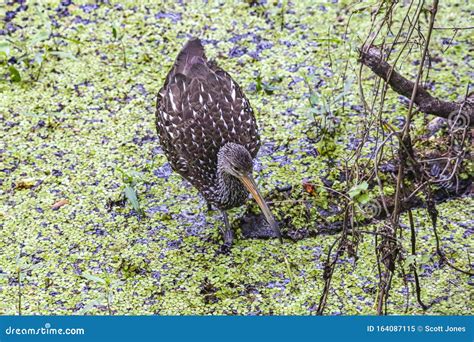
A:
(235, 160)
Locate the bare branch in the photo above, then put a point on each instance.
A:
(372, 58)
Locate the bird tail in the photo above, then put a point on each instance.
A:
(192, 53)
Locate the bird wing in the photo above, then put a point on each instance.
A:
(200, 109)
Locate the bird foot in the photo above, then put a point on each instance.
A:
(227, 233)
(228, 236)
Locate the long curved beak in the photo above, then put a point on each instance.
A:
(251, 186)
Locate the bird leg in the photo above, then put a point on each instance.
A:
(227, 233)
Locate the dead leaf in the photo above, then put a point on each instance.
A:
(308, 187)
(25, 183)
(59, 204)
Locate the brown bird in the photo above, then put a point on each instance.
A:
(208, 132)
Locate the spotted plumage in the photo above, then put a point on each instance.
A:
(199, 110)
(208, 132)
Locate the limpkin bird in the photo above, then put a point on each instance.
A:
(208, 132)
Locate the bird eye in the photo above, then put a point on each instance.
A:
(237, 169)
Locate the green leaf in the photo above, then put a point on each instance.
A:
(338, 97)
(269, 89)
(34, 267)
(93, 278)
(39, 37)
(136, 175)
(63, 54)
(131, 196)
(425, 258)
(72, 40)
(38, 58)
(25, 59)
(114, 32)
(330, 40)
(258, 85)
(410, 260)
(314, 99)
(127, 178)
(363, 198)
(117, 283)
(14, 74)
(88, 307)
(314, 110)
(5, 48)
(348, 84)
(358, 189)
